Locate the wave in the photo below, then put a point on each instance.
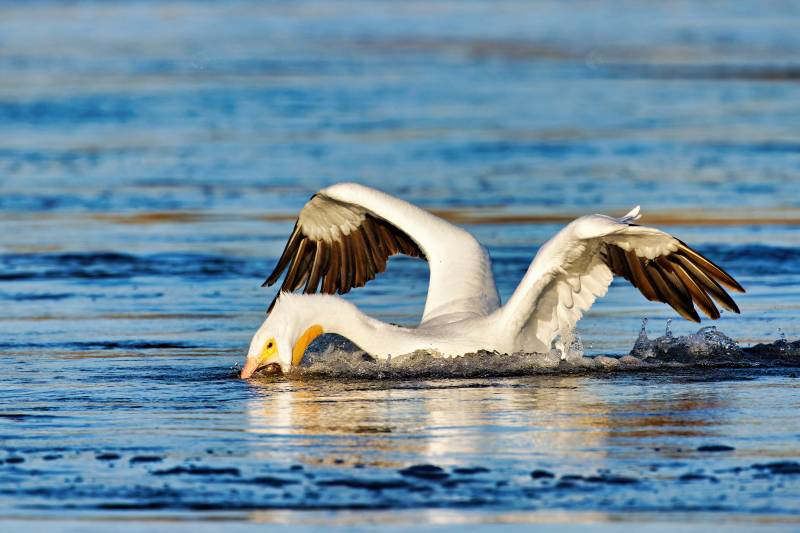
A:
(337, 357)
(110, 265)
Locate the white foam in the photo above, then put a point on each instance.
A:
(334, 356)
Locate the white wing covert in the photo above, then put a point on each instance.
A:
(577, 265)
(346, 233)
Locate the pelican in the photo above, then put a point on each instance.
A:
(346, 233)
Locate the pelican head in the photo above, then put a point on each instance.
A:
(279, 343)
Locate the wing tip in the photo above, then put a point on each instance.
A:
(711, 268)
(738, 288)
(693, 316)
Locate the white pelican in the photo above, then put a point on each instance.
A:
(346, 233)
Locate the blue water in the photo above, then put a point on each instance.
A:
(154, 157)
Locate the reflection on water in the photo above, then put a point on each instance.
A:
(553, 436)
(478, 420)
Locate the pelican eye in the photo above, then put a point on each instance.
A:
(270, 350)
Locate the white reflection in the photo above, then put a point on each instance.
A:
(476, 422)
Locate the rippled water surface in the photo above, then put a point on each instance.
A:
(154, 156)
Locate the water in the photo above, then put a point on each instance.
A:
(154, 156)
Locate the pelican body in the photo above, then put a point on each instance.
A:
(346, 233)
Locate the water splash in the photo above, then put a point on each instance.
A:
(643, 348)
(709, 346)
(570, 345)
(706, 345)
(336, 357)
(779, 352)
(343, 364)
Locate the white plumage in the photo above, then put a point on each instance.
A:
(346, 233)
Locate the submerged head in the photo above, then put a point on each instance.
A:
(279, 343)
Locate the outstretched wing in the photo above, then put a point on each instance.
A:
(577, 265)
(682, 279)
(346, 233)
(357, 248)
